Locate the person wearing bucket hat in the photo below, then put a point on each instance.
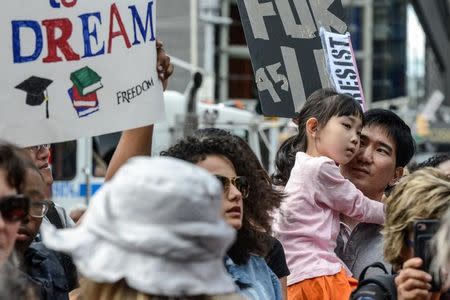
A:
(154, 230)
(221, 155)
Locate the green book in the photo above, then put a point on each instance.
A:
(86, 80)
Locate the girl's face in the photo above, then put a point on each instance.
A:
(232, 203)
(338, 139)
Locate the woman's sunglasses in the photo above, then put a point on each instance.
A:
(240, 182)
(14, 208)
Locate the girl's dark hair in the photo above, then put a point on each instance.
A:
(323, 104)
(262, 198)
(12, 162)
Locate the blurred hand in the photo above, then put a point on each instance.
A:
(163, 66)
(413, 283)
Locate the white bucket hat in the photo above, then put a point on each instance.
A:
(156, 224)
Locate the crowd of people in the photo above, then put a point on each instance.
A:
(341, 217)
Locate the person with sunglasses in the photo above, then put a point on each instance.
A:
(265, 198)
(39, 266)
(13, 207)
(221, 155)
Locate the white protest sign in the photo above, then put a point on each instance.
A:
(74, 68)
(341, 64)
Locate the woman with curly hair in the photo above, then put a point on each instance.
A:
(245, 207)
(265, 198)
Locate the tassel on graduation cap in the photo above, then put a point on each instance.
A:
(36, 89)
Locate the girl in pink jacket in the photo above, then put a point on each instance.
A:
(308, 222)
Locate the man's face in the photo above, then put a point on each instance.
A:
(40, 155)
(29, 228)
(8, 230)
(373, 167)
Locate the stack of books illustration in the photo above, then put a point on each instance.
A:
(83, 93)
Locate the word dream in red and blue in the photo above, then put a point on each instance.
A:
(58, 33)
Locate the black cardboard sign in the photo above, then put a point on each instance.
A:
(286, 50)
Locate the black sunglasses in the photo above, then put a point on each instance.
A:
(14, 208)
(240, 182)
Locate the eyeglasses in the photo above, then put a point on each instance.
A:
(39, 147)
(14, 208)
(240, 182)
(38, 209)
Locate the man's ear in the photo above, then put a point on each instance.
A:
(398, 173)
(311, 127)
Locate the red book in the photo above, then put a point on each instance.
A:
(89, 100)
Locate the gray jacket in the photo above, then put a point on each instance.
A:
(361, 247)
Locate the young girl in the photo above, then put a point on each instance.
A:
(316, 194)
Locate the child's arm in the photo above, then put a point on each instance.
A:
(341, 195)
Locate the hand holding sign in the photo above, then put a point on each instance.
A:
(95, 61)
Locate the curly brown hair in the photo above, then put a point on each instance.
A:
(262, 198)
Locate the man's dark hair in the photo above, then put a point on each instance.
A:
(396, 129)
(12, 163)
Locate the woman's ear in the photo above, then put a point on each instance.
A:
(312, 126)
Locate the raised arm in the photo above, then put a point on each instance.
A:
(138, 141)
(341, 195)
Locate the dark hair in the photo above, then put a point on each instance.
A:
(323, 104)
(262, 198)
(433, 161)
(12, 162)
(396, 129)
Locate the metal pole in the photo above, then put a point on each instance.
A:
(209, 82)
(223, 55)
(368, 51)
(194, 35)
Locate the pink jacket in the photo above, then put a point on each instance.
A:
(308, 221)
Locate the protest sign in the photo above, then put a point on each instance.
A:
(74, 68)
(285, 49)
(341, 64)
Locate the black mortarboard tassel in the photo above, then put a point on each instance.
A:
(36, 89)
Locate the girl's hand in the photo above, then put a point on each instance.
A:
(413, 283)
(163, 66)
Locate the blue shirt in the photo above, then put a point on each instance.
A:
(254, 279)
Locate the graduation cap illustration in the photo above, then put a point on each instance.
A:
(36, 89)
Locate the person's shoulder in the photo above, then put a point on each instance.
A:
(312, 164)
(275, 246)
(38, 249)
(64, 216)
(258, 262)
